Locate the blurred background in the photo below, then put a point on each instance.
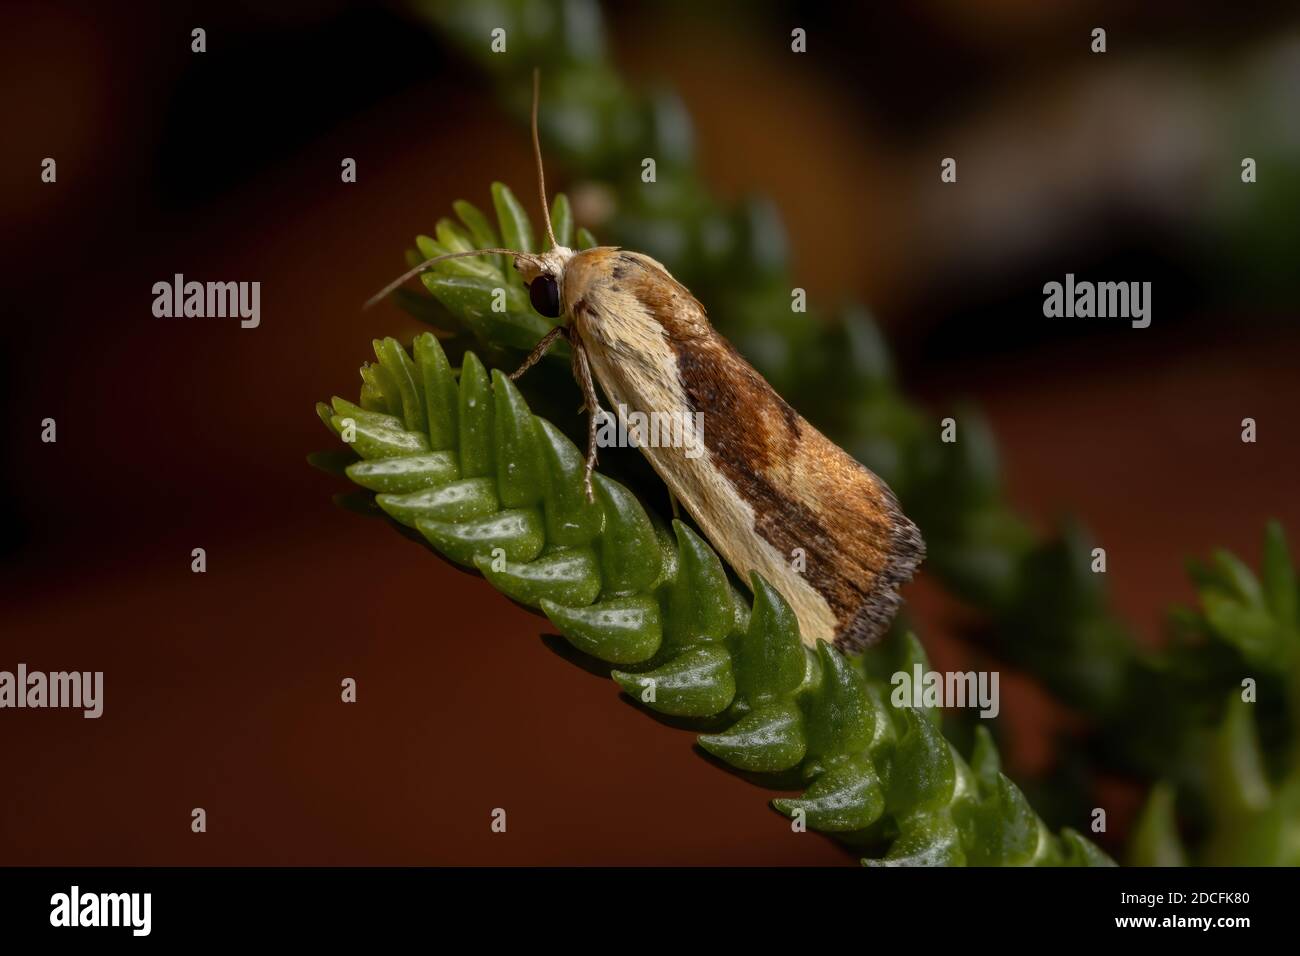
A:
(819, 170)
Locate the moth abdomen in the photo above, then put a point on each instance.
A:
(770, 492)
(835, 525)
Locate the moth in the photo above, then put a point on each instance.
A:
(769, 491)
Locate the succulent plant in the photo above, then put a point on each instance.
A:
(456, 456)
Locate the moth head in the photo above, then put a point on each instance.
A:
(544, 276)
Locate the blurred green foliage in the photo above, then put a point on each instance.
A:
(1230, 769)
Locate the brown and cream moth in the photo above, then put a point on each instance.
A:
(767, 482)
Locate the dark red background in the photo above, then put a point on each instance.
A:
(222, 689)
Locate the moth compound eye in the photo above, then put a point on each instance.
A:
(544, 293)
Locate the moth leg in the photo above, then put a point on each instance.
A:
(538, 351)
(590, 403)
(672, 503)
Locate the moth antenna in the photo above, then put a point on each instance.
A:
(537, 156)
(409, 273)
